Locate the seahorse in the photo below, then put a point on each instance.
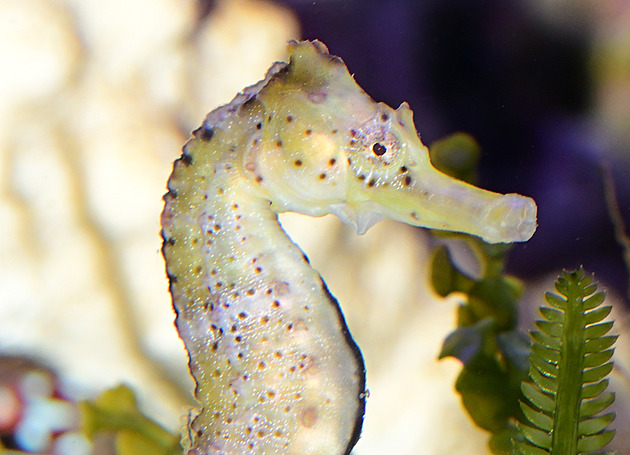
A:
(275, 366)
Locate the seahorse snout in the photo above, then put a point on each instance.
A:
(512, 218)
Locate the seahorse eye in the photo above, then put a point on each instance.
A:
(379, 149)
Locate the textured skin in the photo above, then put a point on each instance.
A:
(276, 369)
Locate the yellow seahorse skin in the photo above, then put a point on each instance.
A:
(276, 369)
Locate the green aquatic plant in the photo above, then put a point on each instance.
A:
(554, 393)
(569, 362)
(115, 415)
(494, 354)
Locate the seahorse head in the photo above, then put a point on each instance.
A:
(326, 147)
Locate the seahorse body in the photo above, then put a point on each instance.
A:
(275, 366)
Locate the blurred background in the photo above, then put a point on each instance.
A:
(96, 99)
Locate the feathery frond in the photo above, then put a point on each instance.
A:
(569, 363)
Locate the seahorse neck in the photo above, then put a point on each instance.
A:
(268, 346)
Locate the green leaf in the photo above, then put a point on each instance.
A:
(595, 442)
(598, 358)
(483, 387)
(594, 301)
(524, 448)
(456, 155)
(555, 300)
(549, 354)
(546, 340)
(541, 400)
(463, 343)
(115, 412)
(597, 330)
(545, 367)
(501, 442)
(597, 315)
(537, 417)
(595, 424)
(552, 315)
(588, 290)
(597, 373)
(599, 344)
(515, 347)
(545, 383)
(536, 436)
(592, 390)
(444, 275)
(553, 329)
(597, 405)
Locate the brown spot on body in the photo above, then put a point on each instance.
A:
(407, 180)
(186, 158)
(248, 104)
(203, 133)
(332, 161)
(317, 98)
(297, 163)
(281, 288)
(308, 417)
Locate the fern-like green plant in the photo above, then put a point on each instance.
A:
(569, 363)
